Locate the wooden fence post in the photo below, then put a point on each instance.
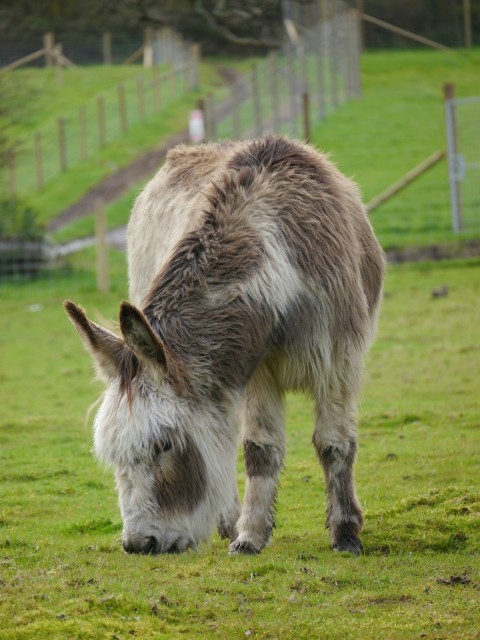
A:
(140, 97)
(12, 173)
(101, 248)
(37, 140)
(320, 70)
(186, 76)
(148, 47)
(62, 144)
(407, 179)
(82, 133)
(236, 97)
(107, 47)
(58, 51)
(194, 62)
(48, 45)
(334, 53)
(306, 117)
(157, 99)
(292, 84)
(172, 79)
(357, 49)
(102, 136)
(122, 108)
(209, 111)
(273, 69)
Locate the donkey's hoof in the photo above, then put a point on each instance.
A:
(350, 544)
(244, 547)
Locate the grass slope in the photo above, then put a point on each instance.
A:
(397, 124)
(63, 573)
(38, 101)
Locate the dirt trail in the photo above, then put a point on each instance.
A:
(112, 187)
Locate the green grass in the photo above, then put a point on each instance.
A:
(63, 573)
(398, 123)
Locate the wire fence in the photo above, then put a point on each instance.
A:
(92, 47)
(78, 135)
(463, 136)
(290, 90)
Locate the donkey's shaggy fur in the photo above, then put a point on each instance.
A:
(253, 270)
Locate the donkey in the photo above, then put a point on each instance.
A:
(253, 270)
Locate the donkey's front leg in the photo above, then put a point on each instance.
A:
(263, 447)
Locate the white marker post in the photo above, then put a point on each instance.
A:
(196, 126)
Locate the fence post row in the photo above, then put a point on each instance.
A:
(319, 71)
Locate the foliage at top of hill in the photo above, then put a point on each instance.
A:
(236, 24)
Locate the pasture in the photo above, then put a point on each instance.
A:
(63, 573)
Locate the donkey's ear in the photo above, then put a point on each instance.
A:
(106, 348)
(139, 335)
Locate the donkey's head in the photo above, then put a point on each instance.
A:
(173, 457)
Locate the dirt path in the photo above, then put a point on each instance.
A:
(112, 187)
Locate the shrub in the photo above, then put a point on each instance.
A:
(19, 220)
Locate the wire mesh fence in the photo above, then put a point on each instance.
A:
(289, 89)
(78, 135)
(463, 135)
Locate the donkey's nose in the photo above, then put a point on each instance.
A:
(140, 545)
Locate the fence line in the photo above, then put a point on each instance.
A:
(462, 118)
(64, 142)
(291, 90)
(160, 46)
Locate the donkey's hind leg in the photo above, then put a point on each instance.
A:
(263, 444)
(335, 441)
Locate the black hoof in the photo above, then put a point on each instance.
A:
(244, 547)
(350, 544)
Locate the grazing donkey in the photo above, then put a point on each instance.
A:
(253, 270)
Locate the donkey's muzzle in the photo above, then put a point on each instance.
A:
(141, 545)
(150, 545)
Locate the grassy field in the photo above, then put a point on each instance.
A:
(63, 573)
(397, 124)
